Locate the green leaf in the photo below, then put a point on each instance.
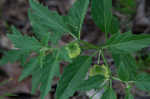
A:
(10, 56)
(126, 7)
(128, 42)
(41, 30)
(23, 57)
(42, 57)
(32, 68)
(76, 15)
(92, 83)
(126, 66)
(36, 79)
(115, 26)
(123, 73)
(128, 94)
(15, 31)
(48, 18)
(44, 21)
(45, 39)
(72, 77)
(109, 94)
(43, 76)
(63, 54)
(29, 68)
(102, 16)
(50, 69)
(143, 82)
(25, 42)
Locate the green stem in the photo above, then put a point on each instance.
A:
(131, 81)
(89, 45)
(73, 36)
(79, 35)
(103, 57)
(110, 74)
(99, 56)
(115, 78)
(110, 83)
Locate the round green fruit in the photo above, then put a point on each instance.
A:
(99, 70)
(73, 50)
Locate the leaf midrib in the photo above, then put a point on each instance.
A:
(69, 84)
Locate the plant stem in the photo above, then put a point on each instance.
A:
(110, 74)
(99, 56)
(103, 57)
(110, 83)
(89, 45)
(73, 36)
(115, 78)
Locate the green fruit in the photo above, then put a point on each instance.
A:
(73, 50)
(99, 70)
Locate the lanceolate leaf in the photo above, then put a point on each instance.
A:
(25, 42)
(48, 18)
(128, 94)
(143, 82)
(42, 75)
(29, 68)
(10, 56)
(44, 21)
(23, 57)
(50, 69)
(36, 79)
(109, 94)
(41, 28)
(63, 54)
(45, 39)
(128, 42)
(102, 15)
(123, 73)
(92, 83)
(75, 17)
(126, 66)
(72, 77)
(32, 68)
(115, 26)
(15, 31)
